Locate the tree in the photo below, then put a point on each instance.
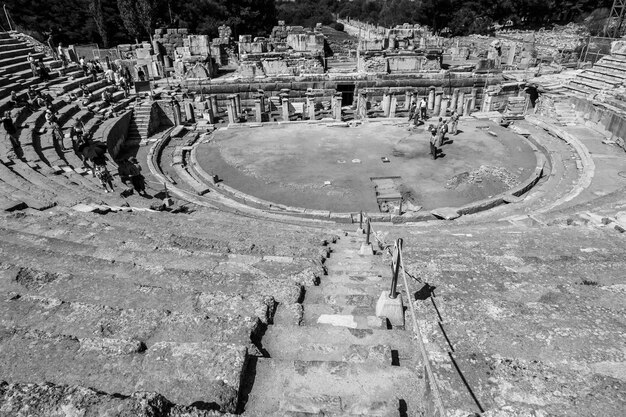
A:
(128, 12)
(145, 15)
(95, 9)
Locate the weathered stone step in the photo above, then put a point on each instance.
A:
(150, 326)
(183, 372)
(276, 381)
(345, 320)
(357, 277)
(80, 278)
(343, 289)
(302, 405)
(41, 399)
(107, 248)
(296, 342)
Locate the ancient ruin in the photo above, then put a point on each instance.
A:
(300, 249)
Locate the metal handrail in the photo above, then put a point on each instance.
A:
(397, 264)
(441, 411)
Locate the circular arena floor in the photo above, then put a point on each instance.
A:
(292, 164)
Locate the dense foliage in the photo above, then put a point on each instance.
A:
(460, 16)
(110, 22)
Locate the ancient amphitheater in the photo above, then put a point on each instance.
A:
(246, 282)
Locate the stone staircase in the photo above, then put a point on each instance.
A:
(182, 326)
(138, 128)
(336, 357)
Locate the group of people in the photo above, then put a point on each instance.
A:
(38, 68)
(418, 113)
(438, 132)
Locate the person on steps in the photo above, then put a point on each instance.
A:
(11, 134)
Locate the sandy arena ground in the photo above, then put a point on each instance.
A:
(289, 164)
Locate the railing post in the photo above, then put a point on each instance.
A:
(396, 269)
(366, 247)
(361, 220)
(368, 231)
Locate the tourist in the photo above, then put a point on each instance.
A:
(106, 97)
(454, 120)
(412, 111)
(141, 75)
(109, 76)
(17, 101)
(84, 89)
(43, 72)
(33, 64)
(32, 96)
(423, 106)
(11, 133)
(57, 132)
(102, 173)
(62, 56)
(130, 171)
(433, 141)
(94, 72)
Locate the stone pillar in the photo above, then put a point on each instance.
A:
(310, 106)
(407, 100)
(214, 108)
(431, 98)
(454, 100)
(285, 103)
(362, 106)
(233, 102)
(392, 106)
(460, 102)
(189, 115)
(444, 107)
(437, 106)
(258, 110)
(261, 96)
(177, 116)
(230, 109)
(208, 116)
(386, 102)
(337, 110)
(238, 104)
(473, 96)
(467, 109)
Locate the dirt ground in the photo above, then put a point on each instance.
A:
(293, 164)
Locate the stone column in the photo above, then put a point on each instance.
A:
(261, 96)
(467, 109)
(285, 103)
(310, 106)
(407, 100)
(386, 102)
(437, 106)
(431, 98)
(214, 108)
(233, 103)
(362, 105)
(177, 115)
(238, 103)
(460, 103)
(258, 110)
(189, 114)
(473, 96)
(454, 100)
(337, 111)
(444, 107)
(230, 109)
(208, 116)
(392, 106)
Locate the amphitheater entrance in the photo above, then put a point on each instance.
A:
(347, 93)
(330, 166)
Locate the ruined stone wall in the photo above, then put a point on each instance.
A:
(114, 135)
(170, 39)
